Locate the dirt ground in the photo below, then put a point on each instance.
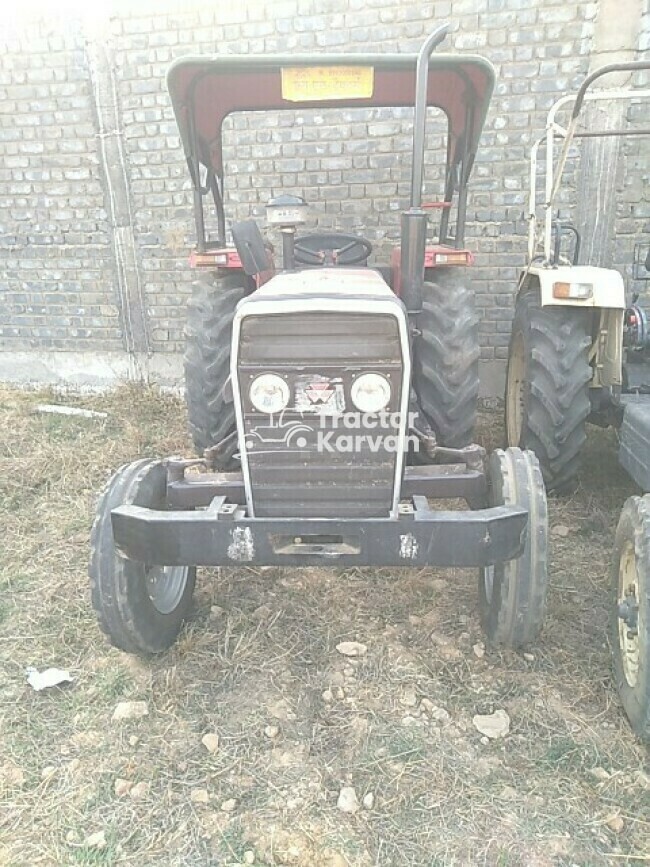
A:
(296, 720)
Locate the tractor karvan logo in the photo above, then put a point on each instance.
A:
(347, 433)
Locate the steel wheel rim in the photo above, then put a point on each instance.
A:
(488, 582)
(165, 586)
(628, 585)
(515, 395)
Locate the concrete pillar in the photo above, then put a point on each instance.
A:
(616, 39)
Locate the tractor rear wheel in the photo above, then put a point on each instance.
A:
(547, 386)
(445, 372)
(512, 595)
(630, 618)
(140, 606)
(208, 334)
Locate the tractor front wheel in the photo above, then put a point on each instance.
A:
(547, 386)
(512, 595)
(140, 606)
(445, 364)
(630, 618)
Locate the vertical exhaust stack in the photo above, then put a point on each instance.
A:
(414, 221)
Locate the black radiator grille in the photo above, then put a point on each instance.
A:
(292, 472)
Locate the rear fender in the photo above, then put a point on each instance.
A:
(608, 289)
(607, 306)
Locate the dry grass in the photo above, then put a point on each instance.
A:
(440, 795)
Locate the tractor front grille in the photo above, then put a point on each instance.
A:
(306, 463)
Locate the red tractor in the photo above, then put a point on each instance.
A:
(331, 401)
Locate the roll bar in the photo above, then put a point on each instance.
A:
(555, 131)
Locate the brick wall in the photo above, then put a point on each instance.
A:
(58, 273)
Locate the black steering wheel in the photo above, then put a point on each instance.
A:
(331, 248)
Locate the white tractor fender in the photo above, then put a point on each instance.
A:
(608, 288)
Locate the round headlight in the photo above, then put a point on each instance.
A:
(370, 392)
(269, 393)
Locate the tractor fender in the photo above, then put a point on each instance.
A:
(608, 289)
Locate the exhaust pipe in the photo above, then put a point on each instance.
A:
(414, 221)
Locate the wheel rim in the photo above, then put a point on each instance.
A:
(488, 582)
(628, 600)
(165, 586)
(515, 395)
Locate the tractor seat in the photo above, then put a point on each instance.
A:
(320, 249)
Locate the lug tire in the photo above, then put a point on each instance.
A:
(512, 595)
(120, 589)
(445, 364)
(630, 654)
(208, 334)
(547, 386)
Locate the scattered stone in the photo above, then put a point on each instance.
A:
(369, 801)
(409, 696)
(199, 796)
(122, 787)
(13, 775)
(414, 620)
(479, 649)
(352, 648)
(409, 720)
(134, 740)
(560, 530)
(211, 742)
(485, 741)
(249, 857)
(229, 805)
(492, 725)
(508, 793)
(642, 779)
(217, 612)
(48, 772)
(529, 657)
(328, 696)
(347, 800)
(348, 671)
(615, 823)
(271, 731)
(439, 714)
(263, 612)
(139, 791)
(281, 709)
(130, 710)
(96, 841)
(600, 774)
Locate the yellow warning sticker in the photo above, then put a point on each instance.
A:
(316, 83)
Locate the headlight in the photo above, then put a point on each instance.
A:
(370, 392)
(269, 393)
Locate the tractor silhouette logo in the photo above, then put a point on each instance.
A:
(288, 433)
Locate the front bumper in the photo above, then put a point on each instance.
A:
(223, 535)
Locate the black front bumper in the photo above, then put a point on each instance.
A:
(223, 535)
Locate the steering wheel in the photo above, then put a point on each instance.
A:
(331, 248)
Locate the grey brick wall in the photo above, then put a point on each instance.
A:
(58, 285)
